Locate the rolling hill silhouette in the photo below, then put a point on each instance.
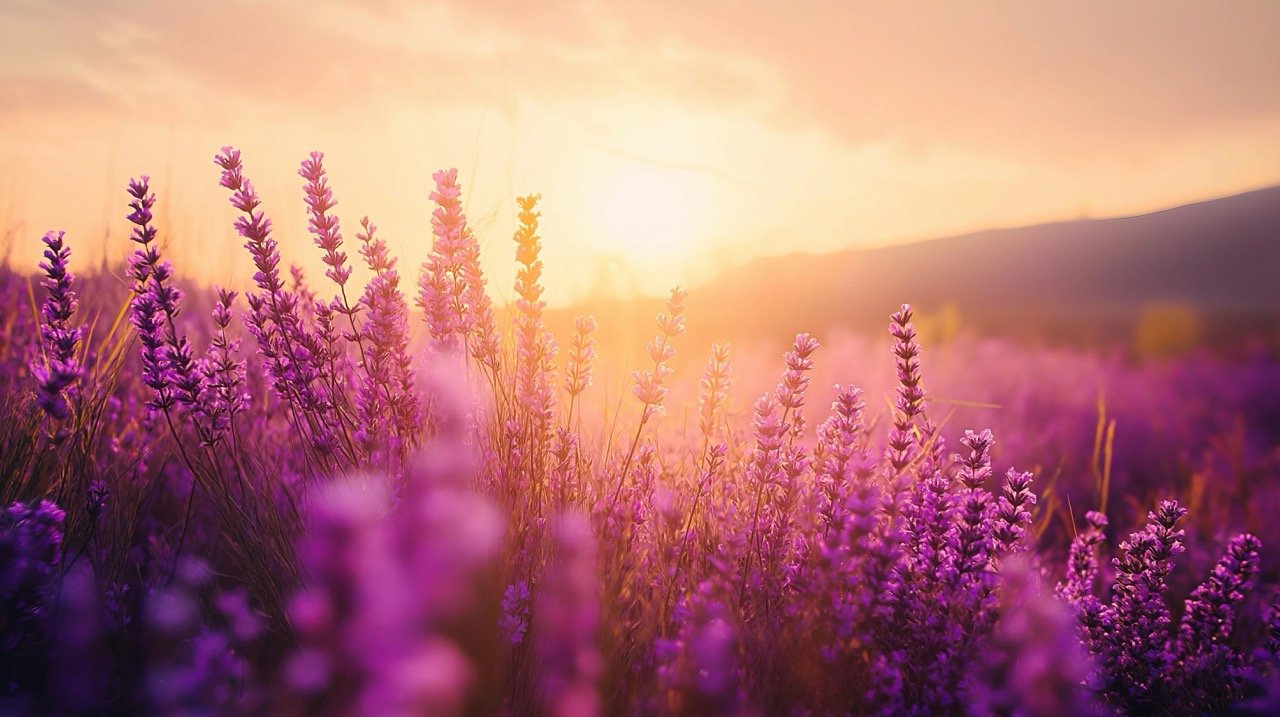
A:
(1083, 280)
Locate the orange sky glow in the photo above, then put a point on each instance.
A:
(669, 139)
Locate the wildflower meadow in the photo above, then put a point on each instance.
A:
(381, 491)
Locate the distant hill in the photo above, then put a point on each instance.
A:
(1082, 280)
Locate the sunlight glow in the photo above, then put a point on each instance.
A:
(647, 215)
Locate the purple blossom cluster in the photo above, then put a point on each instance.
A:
(30, 552)
(348, 515)
(1145, 662)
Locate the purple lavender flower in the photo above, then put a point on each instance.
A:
(581, 360)
(98, 496)
(795, 380)
(713, 389)
(60, 369)
(373, 248)
(223, 374)
(1032, 664)
(698, 671)
(167, 363)
(77, 671)
(293, 354)
(195, 665)
(1082, 562)
(565, 624)
(1130, 636)
(910, 402)
(30, 553)
(385, 577)
(973, 540)
(650, 385)
(1212, 671)
(515, 612)
(842, 463)
(387, 392)
(458, 312)
(323, 225)
(1273, 628)
(1013, 512)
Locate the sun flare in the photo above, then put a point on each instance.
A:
(646, 215)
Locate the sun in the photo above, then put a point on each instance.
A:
(646, 214)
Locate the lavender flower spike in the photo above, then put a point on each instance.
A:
(323, 225)
(61, 369)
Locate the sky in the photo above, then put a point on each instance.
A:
(669, 139)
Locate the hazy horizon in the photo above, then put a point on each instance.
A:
(668, 143)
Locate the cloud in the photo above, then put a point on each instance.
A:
(338, 57)
(1058, 80)
(1045, 78)
(820, 123)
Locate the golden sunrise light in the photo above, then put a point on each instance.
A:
(668, 143)
(691, 358)
(647, 213)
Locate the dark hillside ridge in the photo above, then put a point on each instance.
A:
(1072, 281)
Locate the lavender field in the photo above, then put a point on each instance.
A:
(382, 491)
